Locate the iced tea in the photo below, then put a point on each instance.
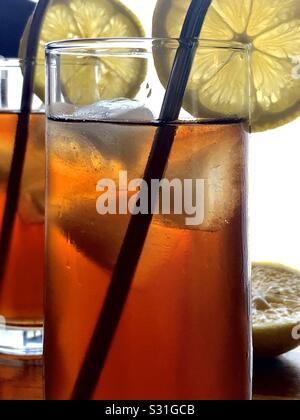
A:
(185, 330)
(21, 289)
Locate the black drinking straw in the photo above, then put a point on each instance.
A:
(135, 238)
(21, 139)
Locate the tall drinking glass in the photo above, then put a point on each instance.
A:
(185, 329)
(21, 286)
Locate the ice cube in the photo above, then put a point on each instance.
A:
(223, 171)
(100, 149)
(5, 162)
(113, 140)
(217, 156)
(32, 204)
(123, 110)
(98, 237)
(61, 110)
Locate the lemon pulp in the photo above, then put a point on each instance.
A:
(89, 79)
(271, 28)
(276, 309)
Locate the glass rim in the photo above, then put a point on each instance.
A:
(82, 46)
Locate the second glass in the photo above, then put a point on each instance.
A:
(185, 330)
(21, 288)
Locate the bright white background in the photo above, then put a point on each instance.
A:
(275, 195)
(274, 182)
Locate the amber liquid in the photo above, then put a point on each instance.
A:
(21, 289)
(185, 330)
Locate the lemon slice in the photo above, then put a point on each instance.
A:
(276, 309)
(73, 19)
(271, 27)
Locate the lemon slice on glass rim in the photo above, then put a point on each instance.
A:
(272, 29)
(80, 19)
(275, 309)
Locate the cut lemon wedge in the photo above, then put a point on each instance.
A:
(74, 19)
(271, 28)
(276, 309)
